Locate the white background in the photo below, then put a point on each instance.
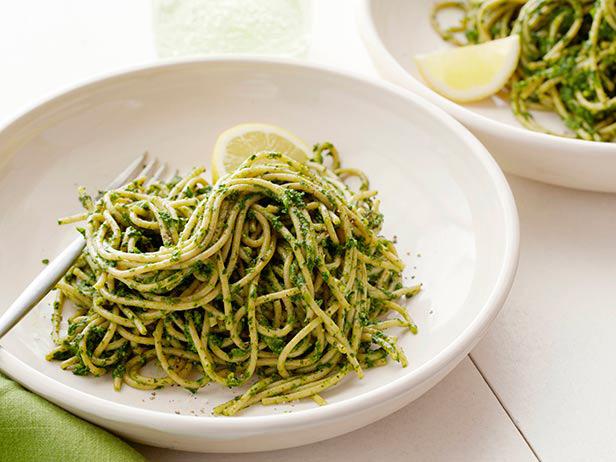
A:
(540, 386)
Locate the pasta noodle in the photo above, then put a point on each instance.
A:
(276, 277)
(568, 57)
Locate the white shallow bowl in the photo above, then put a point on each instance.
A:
(443, 196)
(396, 30)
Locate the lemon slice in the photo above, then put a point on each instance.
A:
(472, 72)
(238, 143)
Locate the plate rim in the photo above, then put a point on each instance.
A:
(67, 396)
(495, 128)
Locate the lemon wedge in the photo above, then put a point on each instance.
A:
(238, 143)
(472, 72)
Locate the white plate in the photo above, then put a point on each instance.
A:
(443, 196)
(396, 30)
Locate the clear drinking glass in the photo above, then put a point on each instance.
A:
(207, 27)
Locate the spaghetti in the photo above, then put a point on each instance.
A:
(277, 271)
(568, 57)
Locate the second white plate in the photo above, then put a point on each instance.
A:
(396, 30)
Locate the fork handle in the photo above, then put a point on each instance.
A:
(41, 285)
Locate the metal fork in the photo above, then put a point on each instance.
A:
(49, 277)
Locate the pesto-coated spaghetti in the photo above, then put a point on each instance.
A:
(277, 272)
(568, 57)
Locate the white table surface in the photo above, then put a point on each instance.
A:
(540, 386)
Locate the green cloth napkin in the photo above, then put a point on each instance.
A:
(33, 429)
